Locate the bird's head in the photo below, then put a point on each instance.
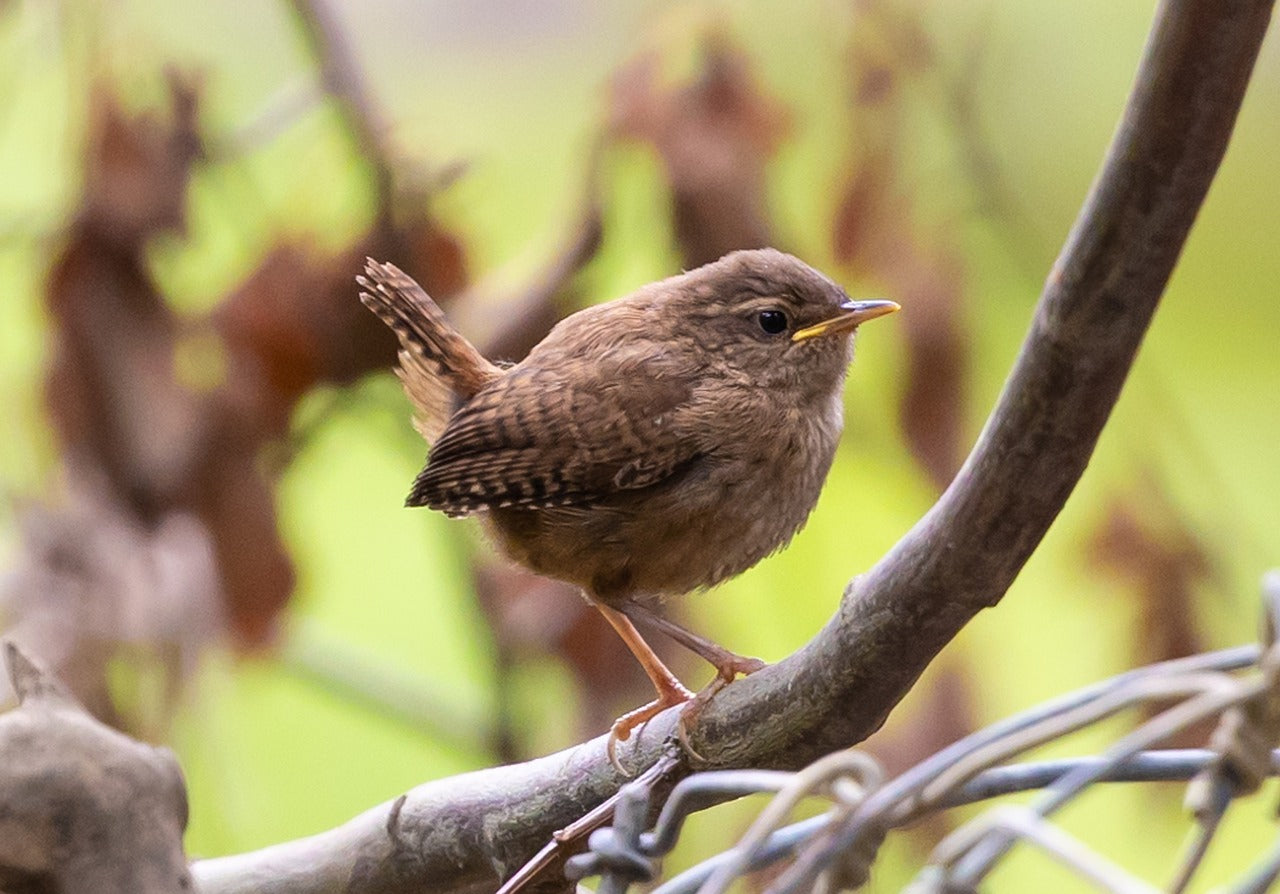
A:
(772, 317)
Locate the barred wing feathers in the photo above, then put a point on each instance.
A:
(525, 441)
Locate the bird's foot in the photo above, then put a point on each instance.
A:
(726, 673)
(624, 725)
(733, 666)
(728, 664)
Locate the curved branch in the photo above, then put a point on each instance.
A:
(961, 557)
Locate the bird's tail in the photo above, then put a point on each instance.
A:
(438, 366)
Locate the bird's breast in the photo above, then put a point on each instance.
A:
(755, 480)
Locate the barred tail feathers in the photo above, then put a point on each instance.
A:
(438, 366)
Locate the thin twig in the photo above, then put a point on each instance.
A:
(371, 682)
(563, 841)
(343, 79)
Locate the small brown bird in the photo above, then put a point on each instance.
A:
(647, 447)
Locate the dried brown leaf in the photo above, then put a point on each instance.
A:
(1163, 561)
(940, 711)
(715, 136)
(1154, 549)
(878, 234)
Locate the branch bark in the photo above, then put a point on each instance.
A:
(461, 833)
(83, 808)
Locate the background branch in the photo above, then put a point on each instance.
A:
(961, 557)
(343, 79)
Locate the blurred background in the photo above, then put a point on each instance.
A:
(205, 458)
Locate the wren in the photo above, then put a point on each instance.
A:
(650, 446)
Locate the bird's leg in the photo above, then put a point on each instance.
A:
(727, 664)
(670, 690)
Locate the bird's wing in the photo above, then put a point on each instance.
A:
(537, 439)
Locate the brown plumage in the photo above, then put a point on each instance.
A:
(647, 447)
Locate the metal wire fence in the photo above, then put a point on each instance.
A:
(1237, 689)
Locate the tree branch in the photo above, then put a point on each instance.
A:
(961, 557)
(342, 78)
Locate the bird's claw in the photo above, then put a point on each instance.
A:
(740, 665)
(624, 725)
(726, 674)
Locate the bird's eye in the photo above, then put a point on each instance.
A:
(773, 321)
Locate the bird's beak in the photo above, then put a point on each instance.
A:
(852, 315)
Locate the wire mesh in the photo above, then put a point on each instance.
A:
(1238, 689)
